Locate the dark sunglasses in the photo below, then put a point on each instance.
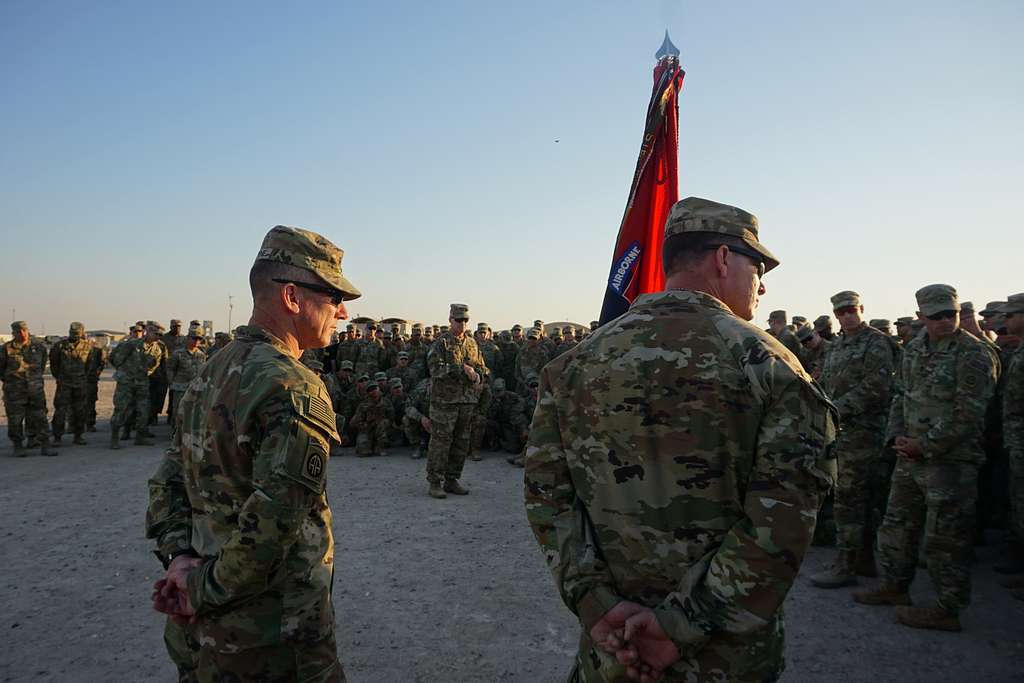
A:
(846, 310)
(749, 253)
(942, 315)
(461, 320)
(336, 296)
(1007, 316)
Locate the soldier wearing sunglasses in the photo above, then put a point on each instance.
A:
(1013, 431)
(935, 425)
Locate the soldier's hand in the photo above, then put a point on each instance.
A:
(470, 372)
(649, 650)
(425, 421)
(908, 448)
(608, 632)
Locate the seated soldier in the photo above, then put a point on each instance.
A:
(398, 399)
(416, 420)
(372, 423)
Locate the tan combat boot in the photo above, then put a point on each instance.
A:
(883, 595)
(933, 618)
(435, 491)
(454, 487)
(840, 573)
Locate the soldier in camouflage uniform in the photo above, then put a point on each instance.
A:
(858, 376)
(507, 425)
(568, 341)
(158, 379)
(398, 399)
(372, 423)
(823, 326)
(173, 339)
(22, 362)
(458, 373)
(416, 350)
(404, 371)
(778, 328)
(69, 365)
(183, 366)
(517, 336)
(1013, 439)
(904, 329)
(97, 361)
(369, 353)
(529, 406)
(136, 360)
(813, 349)
(220, 340)
(936, 424)
(530, 360)
(674, 513)
(416, 421)
(251, 505)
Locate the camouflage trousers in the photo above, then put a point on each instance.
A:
(92, 394)
(316, 663)
(371, 439)
(857, 454)
(505, 435)
(449, 440)
(183, 649)
(68, 405)
(131, 400)
(933, 501)
(1017, 496)
(26, 410)
(414, 432)
(172, 410)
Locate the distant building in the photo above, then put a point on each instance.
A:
(105, 338)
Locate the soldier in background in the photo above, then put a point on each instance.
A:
(936, 426)
(398, 399)
(883, 325)
(506, 424)
(22, 362)
(173, 339)
(778, 328)
(416, 421)
(530, 394)
(813, 350)
(658, 589)
(530, 359)
(568, 341)
(858, 377)
(158, 380)
(136, 359)
(97, 361)
(416, 350)
(69, 365)
(220, 340)
(183, 366)
(1013, 430)
(517, 336)
(488, 349)
(457, 373)
(905, 329)
(372, 423)
(823, 326)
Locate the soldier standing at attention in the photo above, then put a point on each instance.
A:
(182, 368)
(22, 362)
(69, 365)
(858, 377)
(97, 361)
(674, 513)
(136, 360)
(936, 424)
(1013, 431)
(158, 380)
(457, 373)
(248, 546)
(778, 328)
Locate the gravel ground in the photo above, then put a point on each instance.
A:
(425, 590)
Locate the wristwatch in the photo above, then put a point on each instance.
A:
(167, 558)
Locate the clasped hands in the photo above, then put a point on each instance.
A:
(908, 448)
(632, 633)
(170, 594)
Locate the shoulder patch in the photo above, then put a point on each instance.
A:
(315, 464)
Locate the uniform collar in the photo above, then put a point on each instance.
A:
(689, 296)
(257, 333)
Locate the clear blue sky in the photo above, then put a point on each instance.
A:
(145, 148)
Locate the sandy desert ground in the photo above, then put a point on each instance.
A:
(425, 590)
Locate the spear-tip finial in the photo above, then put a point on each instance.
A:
(667, 49)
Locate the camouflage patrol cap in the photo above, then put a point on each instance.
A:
(395, 382)
(880, 324)
(845, 298)
(804, 332)
(403, 354)
(799, 320)
(566, 330)
(378, 376)
(934, 299)
(539, 324)
(966, 308)
(442, 329)
(136, 328)
(222, 335)
(458, 312)
(499, 384)
(778, 315)
(363, 378)
(822, 322)
(695, 215)
(517, 328)
(482, 327)
(308, 250)
(1014, 304)
(19, 325)
(346, 365)
(992, 309)
(196, 333)
(314, 365)
(177, 323)
(76, 327)
(534, 333)
(349, 327)
(373, 386)
(904, 320)
(194, 322)
(417, 327)
(371, 325)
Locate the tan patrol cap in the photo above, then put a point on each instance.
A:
(534, 333)
(19, 325)
(936, 298)
(458, 312)
(695, 214)
(1014, 304)
(822, 322)
(307, 250)
(880, 324)
(845, 298)
(778, 315)
(966, 308)
(804, 332)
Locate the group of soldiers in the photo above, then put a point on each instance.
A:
(380, 385)
(957, 395)
(150, 364)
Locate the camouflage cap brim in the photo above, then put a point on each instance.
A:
(310, 251)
